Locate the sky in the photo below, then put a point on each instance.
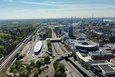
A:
(36, 9)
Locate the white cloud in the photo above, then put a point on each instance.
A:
(41, 10)
(71, 2)
(86, 8)
(64, 5)
(72, 6)
(36, 3)
(8, 0)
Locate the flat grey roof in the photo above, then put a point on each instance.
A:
(106, 68)
(70, 44)
(113, 59)
(97, 61)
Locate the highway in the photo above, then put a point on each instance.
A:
(51, 68)
(56, 44)
(72, 68)
(59, 50)
(75, 71)
(53, 49)
(8, 59)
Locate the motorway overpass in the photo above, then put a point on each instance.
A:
(54, 39)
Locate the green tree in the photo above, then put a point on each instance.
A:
(36, 75)
(64, 75)
(42, 61)
(32, 63)
(24, 73)
(84, 64)
(93, 71)
(17, 63)
(22, 68)
(48, 42)
(38, 63)
(46, 59)
(49, 33)
(62, 67)
(5, 52)
(18, 66)
(81, 62)
(1, 49)
(28, 68)
(14, 71)
(59, 74)
(11, 69)
(50, 49)
(1, 55)
(35, 71)
(74, 56)
(88, 68)
(55, 64)
(39, 70)
(57, 70)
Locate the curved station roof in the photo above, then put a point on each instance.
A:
(38, 46)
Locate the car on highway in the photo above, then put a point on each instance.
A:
(30, 48)
(33, 55)
(43, 51)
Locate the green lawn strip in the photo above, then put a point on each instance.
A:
(55, 48)
(62, 48)
(67, 49)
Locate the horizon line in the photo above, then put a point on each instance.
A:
(54, 18)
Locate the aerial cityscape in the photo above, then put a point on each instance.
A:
(64, 38)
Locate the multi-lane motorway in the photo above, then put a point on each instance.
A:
(56, 44)
(67, 64)
(76, 72)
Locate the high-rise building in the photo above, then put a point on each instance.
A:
(92, 16)
(75, 19)
(59, 31)
(71, 31)
(71, 19)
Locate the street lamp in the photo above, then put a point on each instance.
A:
(18, 57)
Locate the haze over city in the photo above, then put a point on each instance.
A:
(33, 9)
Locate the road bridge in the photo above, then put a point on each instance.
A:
(54, 39)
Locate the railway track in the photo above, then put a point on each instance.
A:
(12, 54)
(9, 54)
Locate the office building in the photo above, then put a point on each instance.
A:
(71, 31)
